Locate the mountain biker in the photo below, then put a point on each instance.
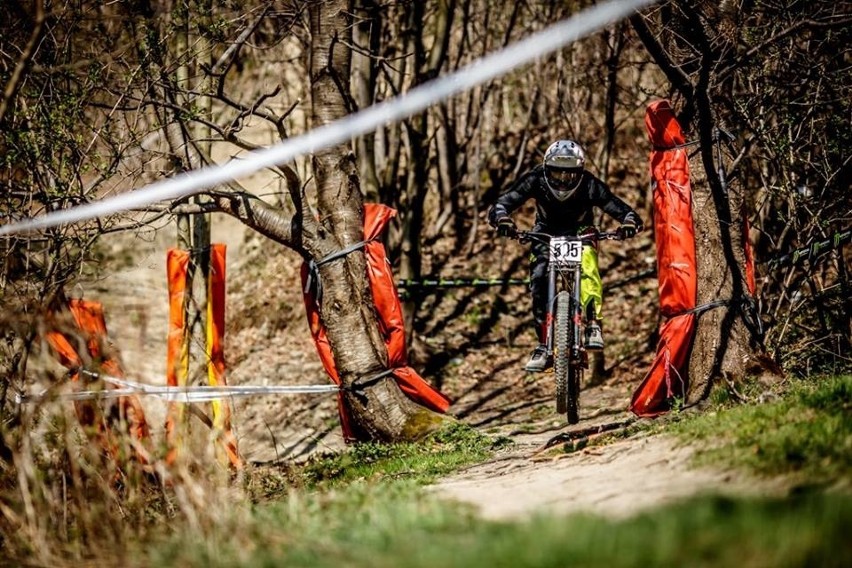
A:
(565, 193)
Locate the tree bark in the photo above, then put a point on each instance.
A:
(380, 410)
(724, 348)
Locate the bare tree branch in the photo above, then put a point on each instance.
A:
(678, 78)
(24, 60)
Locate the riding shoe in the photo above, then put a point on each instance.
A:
(594, 337)
(538, 360)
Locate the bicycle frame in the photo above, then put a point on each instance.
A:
(569, 272)
(564, 328)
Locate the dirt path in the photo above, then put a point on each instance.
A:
(616, 480)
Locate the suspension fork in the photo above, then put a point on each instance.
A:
(551, 296)
(576, 313)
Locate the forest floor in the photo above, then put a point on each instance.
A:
(470, 343)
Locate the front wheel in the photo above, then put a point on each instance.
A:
(568, 373)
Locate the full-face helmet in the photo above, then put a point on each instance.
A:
(563, 168)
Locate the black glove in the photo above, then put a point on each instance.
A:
(506, 227)
(627, 230)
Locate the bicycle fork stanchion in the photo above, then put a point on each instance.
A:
(551, 298)
(577, 314)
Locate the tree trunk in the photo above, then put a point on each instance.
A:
(380, 410)
(723, 347)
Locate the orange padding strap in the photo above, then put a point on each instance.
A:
(177, 364)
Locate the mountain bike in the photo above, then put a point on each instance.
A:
(564, 323)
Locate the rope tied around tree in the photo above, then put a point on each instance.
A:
(122, 387)
(745, 304)
(313, 283)
(676, 146)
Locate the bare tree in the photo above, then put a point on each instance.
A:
(723, 60)
(332, 222)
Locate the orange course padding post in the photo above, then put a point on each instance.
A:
(177, 366)
(89, 319)
(676, 264)
(390, 319)
(177, 347)
(216, 355)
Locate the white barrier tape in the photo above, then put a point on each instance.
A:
(416, 100)
(173, 394)
(21, 398)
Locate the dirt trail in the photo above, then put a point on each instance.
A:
(615, 480)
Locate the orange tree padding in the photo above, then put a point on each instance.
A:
(676, 268)
(177, 359)
(391, 324)
(177, 352)
(89, 318)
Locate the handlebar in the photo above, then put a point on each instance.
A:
(524, 237)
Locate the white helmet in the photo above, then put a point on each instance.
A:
(563, 168)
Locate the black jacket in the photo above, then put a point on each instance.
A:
(562, 217)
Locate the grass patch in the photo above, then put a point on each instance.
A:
(441, 453)
(365, 506)
(390, 525)
(370, 510)
(807, 433)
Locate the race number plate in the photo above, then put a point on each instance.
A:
(566, 250)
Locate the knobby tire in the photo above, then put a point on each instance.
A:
(572, 410)
(561, 349)
(568, 374)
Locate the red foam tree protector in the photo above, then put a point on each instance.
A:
(676, 268)
(389, 315)
(89, 318)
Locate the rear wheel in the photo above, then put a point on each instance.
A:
(572, 396)
(562, 350)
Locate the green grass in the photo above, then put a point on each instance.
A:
(806, 434)
(441, 453)
(392, 525)
(366, 506)
(370, 510)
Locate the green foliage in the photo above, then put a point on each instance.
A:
(444, 451)
(395, 526)
(806, 434)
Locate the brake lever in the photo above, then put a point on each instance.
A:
(610, 236)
